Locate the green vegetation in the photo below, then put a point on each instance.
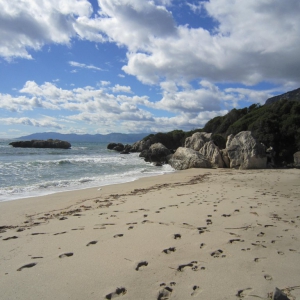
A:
(276, 125)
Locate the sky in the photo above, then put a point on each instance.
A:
(140, 66)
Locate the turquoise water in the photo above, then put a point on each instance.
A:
(27, 172)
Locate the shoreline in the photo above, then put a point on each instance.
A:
(198, 233)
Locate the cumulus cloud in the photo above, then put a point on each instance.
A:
(252, 40)
(186, 107)
(31, 122)
(121, 89)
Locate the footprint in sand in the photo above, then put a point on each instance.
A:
(177, 236)
(208, 222)
(268, 277)
(280, 252)
(169, 250)
(202, 229)
(235, 240)
(261, 234)
(193, 265)
(68, 254)
(243, 293)
(60, 233)
(118, 235)
(257, 259)
(218, 253)
(141, 264)
(27, 266)
(165, 293)
(38, 233)
(10, 238)
(196, 290)
(202, 245)
(118, 292)
(92, 243)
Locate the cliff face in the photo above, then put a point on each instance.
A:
(291, 96)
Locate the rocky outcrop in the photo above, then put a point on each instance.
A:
(197, 140)
(245, 152)
(297, 159)
(140, 146)
(186, 158)
(156, 153)
(225, 158)
(213, 154)
(42, 144)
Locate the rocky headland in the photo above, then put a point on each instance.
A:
(58, 144)
(256, 137)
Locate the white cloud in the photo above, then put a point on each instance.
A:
(30, 122)
(30, 24)
(252, 41)
(185, 106)
(84, 66)
(121, 89)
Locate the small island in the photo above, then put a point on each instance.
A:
(57, 144)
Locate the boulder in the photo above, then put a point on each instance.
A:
(127, 149)
(186, 158)
(229, 139)
(111, 146)
(225, 158)
(58, 144)
(213, 154)
(140, 146)
(245, 152)
(119, 147)
(156, 153)
(197, 140)
(297, 159)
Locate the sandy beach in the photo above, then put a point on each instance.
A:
(195, 234)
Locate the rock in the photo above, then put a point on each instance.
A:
(119, 147)
(229, 139)
(156, 153)
(270, 157)
(186, 158)
(140, 146)
(127, 149)
(111, 146)
(213, 154)
(245, 152)
(197, 140)
(297, 159)
(279, 295)
(42, 144)
(225, 158)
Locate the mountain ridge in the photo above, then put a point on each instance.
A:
(73, 137)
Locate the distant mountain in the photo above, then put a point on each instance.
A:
(291, 96)
(100, 138)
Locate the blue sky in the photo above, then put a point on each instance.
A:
(130, 66)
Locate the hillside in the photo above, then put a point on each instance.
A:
(291, 96)
(276, 124)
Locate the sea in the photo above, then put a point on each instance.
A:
(31, 172)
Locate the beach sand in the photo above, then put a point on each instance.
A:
(196, 234)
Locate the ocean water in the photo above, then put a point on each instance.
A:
(28, 172)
